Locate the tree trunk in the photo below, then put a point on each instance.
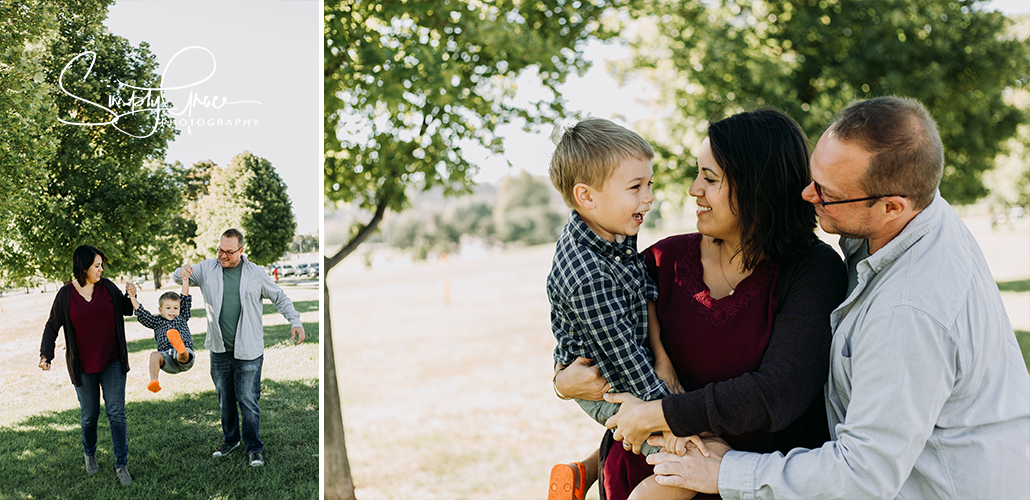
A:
(339, 485)
(338, 482)
(158, 271)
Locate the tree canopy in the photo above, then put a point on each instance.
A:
(248, 195)
(811, 58)
(87, 182)
(407, 83)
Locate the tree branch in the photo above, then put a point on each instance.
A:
(360, 237)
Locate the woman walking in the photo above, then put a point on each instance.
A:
(90, 309)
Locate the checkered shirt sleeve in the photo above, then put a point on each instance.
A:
(598, 297)
(609, 320)
(160, 325)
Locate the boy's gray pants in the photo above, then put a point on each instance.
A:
(601, 411)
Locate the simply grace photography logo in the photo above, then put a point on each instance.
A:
(151, 102)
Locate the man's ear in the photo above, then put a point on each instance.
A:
(895, 206)
(583, 195)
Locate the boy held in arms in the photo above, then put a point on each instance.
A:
(171, 331)
(598, 286)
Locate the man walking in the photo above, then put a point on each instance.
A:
(233, 288)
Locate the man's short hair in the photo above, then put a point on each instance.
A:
(589, 153)
(908, 158)
(82, 258)
(168, 296)
(234, 233)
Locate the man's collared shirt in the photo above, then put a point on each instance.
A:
(928, 395)
(598, 291)
(254, 286)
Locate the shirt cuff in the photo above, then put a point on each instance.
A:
(737, 475)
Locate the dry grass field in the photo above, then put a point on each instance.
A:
(454, 400)
(27, 390)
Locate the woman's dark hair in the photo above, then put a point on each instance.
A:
(82, 259)
(764, 155)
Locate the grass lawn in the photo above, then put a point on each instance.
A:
(171, 433)
(1023, 337)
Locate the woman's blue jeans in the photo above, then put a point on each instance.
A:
(111, 382)
(238, 382)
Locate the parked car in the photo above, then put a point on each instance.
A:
(314, 269)
(302, 269)
(287, 270)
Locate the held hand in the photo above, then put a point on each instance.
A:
(667, 374)
(582, 380)
(636, 419)
(130, 288)
(186, 271)
(298, 333)
(678, 445)
(693, 471)
(44, 364)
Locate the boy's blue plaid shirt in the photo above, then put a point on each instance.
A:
(160, 325)
(598, 291)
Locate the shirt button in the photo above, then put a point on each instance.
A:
(617, 258)
(629, 252)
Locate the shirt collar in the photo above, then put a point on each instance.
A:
(922, 223)
(582, 234)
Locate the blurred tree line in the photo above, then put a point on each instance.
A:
(521, 210)
(74, 172)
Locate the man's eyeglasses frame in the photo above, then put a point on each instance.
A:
(819, 193)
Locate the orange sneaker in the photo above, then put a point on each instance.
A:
(176, 340)
(568, 482)
(154, 386)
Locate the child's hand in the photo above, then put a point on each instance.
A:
(186, 271)
(667, 373)
(130, 288)
(678, 445)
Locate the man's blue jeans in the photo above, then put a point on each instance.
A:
(238, 381)
(112, 382)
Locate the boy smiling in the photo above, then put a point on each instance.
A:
(598, 287)
(174, 352)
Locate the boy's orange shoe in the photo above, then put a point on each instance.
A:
(154, 386)
(568, 482)
(176, 340)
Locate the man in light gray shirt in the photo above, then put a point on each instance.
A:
(928, 395)
(233, 288)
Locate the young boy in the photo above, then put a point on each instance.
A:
(598, 286)
(171, 331)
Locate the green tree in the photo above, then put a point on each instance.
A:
(249, 195)
(812, 58)
(524, 212)
(175, 233)
(93, 188)
(304, 243)
(26, 145)
(406, 84)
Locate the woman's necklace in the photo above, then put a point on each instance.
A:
(723, 270)
(87, 291)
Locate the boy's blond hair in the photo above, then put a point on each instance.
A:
(589, 153)
(168, 297)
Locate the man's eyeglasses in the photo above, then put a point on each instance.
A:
(819, 192)
(228, 252)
